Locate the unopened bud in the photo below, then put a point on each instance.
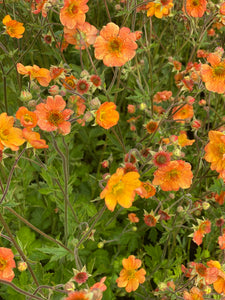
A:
(32, 103)
(22, 266)
(180, 209)
(142, 106)
(54, 90)
(69, 286)
(95, 103)
(134, 228)
(25, 96)
(100, 245)
(205, 205)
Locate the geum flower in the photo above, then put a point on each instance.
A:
(130, 277)
(82, 36)
(215, 151)
(106, 115)
(183, 112)
(214, 75)
(73, 13)
(27, 118)
(195, 8)
(176, 174)
(159, 8)
(52, 115)
(7, 264)
(34, 139)
(195, 294)
(203, 228)
(10, 136)
(13, 28)
(115, 46)
(219, 283)
(120, 189)
(41, 74)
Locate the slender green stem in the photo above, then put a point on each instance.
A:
(37, 230)
(19, 290)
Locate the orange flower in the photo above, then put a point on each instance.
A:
(10, 136)
(203, 228)
(73, 13)
(219, 284)
(78, 295)
(40, 7)
(183, 112)
(129, 276)
(13, 28)
(214, 75)
(83, 36)
(215, 151)
(69, 82)
(162, 96)
(120, 189)
(107, 116)
(27, 118)
(52, 115)
(57, 72)
(220, 198)
(41, 74)
(133, 218)
(146, 190)
(99, 285)
(221, 241)
(183, 140)
(195, 8)
(34, 139)
(195, 294)
(7, 263)
(151, 126)
(177, 174)
(115, 46)
(160, 8)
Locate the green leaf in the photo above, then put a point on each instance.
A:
(57, 253)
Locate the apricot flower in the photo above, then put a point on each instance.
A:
(13, 28)
(214, 75)
(203, 228)
(83, 36)
(176, 174)
(195, 294)
(219, 284)
(52, 115)
(10, 136)
(195, 8)
(34, 139)
(120, 189)
(130, 278)
(41, 74)
(159, 8)
(183, 112)
(106, 115)
(27, 118)
(7, 263)
(215, 151)
(73, 13)
(115, 46)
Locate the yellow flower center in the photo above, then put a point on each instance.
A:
(4, 134)
(72, 9)
(55, 118)
(131, 274)
(3, 264)
(221, 150)
(118, 188)
(115, 45)
(27, 118)
(173, 174)
(195, 2)
(219, 70)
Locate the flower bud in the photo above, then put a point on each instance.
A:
(142, 106)
(54, 90)
(25, 96)
(95, 103)
(100, 245)
(205, 205)
(69, 286)
(22, 266)
(180, 209)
